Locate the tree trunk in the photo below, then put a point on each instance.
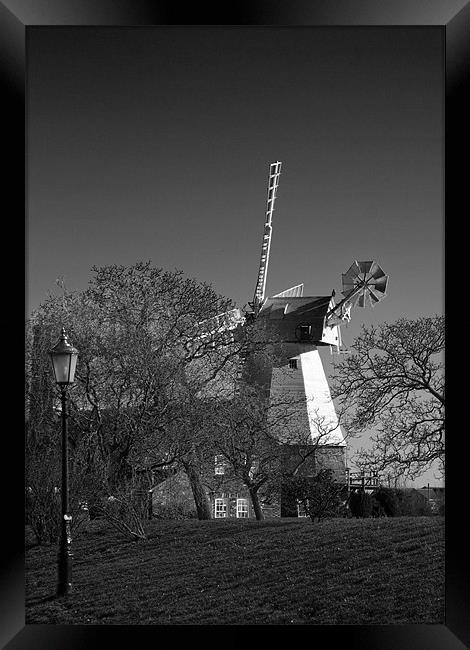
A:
(118, 471)
(203, 507)
(256, 504)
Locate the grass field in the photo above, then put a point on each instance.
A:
(284, 571)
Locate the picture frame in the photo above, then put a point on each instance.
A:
(453, 17)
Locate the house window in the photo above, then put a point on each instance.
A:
(242, 508)
(293, 364)
(219, 465)
(220, 506)
(254, 467)
(301, 511)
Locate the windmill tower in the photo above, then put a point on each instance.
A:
(304, 324)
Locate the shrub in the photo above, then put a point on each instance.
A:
(319, 495)
(175, 511)
(361, 504)
(43, 513)
(402, 502)
(126, 510)
(43, 498)
(43, 484)
(388, 500)
(412, 503)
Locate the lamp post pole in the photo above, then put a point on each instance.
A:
(64, 360)
(64, 585)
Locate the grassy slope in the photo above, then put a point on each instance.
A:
(341, 571)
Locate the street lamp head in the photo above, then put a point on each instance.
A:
(64, 360)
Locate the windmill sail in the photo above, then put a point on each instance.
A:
(273, 182)
(293, 292)
(226, 321)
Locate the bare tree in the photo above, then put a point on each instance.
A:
(240, 436)
(393, 384)
(137, 329)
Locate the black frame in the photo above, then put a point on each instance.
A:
(453, 16)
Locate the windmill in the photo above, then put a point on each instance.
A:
(303, 324)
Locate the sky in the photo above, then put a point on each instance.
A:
(155, 144)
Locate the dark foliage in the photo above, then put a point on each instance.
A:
(402, 502)
(412, 503)
(177, 511)
(319, 496)
(388, 500)
(361, 504)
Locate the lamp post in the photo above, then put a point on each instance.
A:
(64, 361)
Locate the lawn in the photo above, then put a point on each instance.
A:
(280, 571)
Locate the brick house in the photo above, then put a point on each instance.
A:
(228, 496)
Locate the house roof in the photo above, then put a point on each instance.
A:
(433, 491)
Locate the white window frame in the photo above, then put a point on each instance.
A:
(243, 508)
(220, 508)
(219, 465)
(254, 467)
(301, 513)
